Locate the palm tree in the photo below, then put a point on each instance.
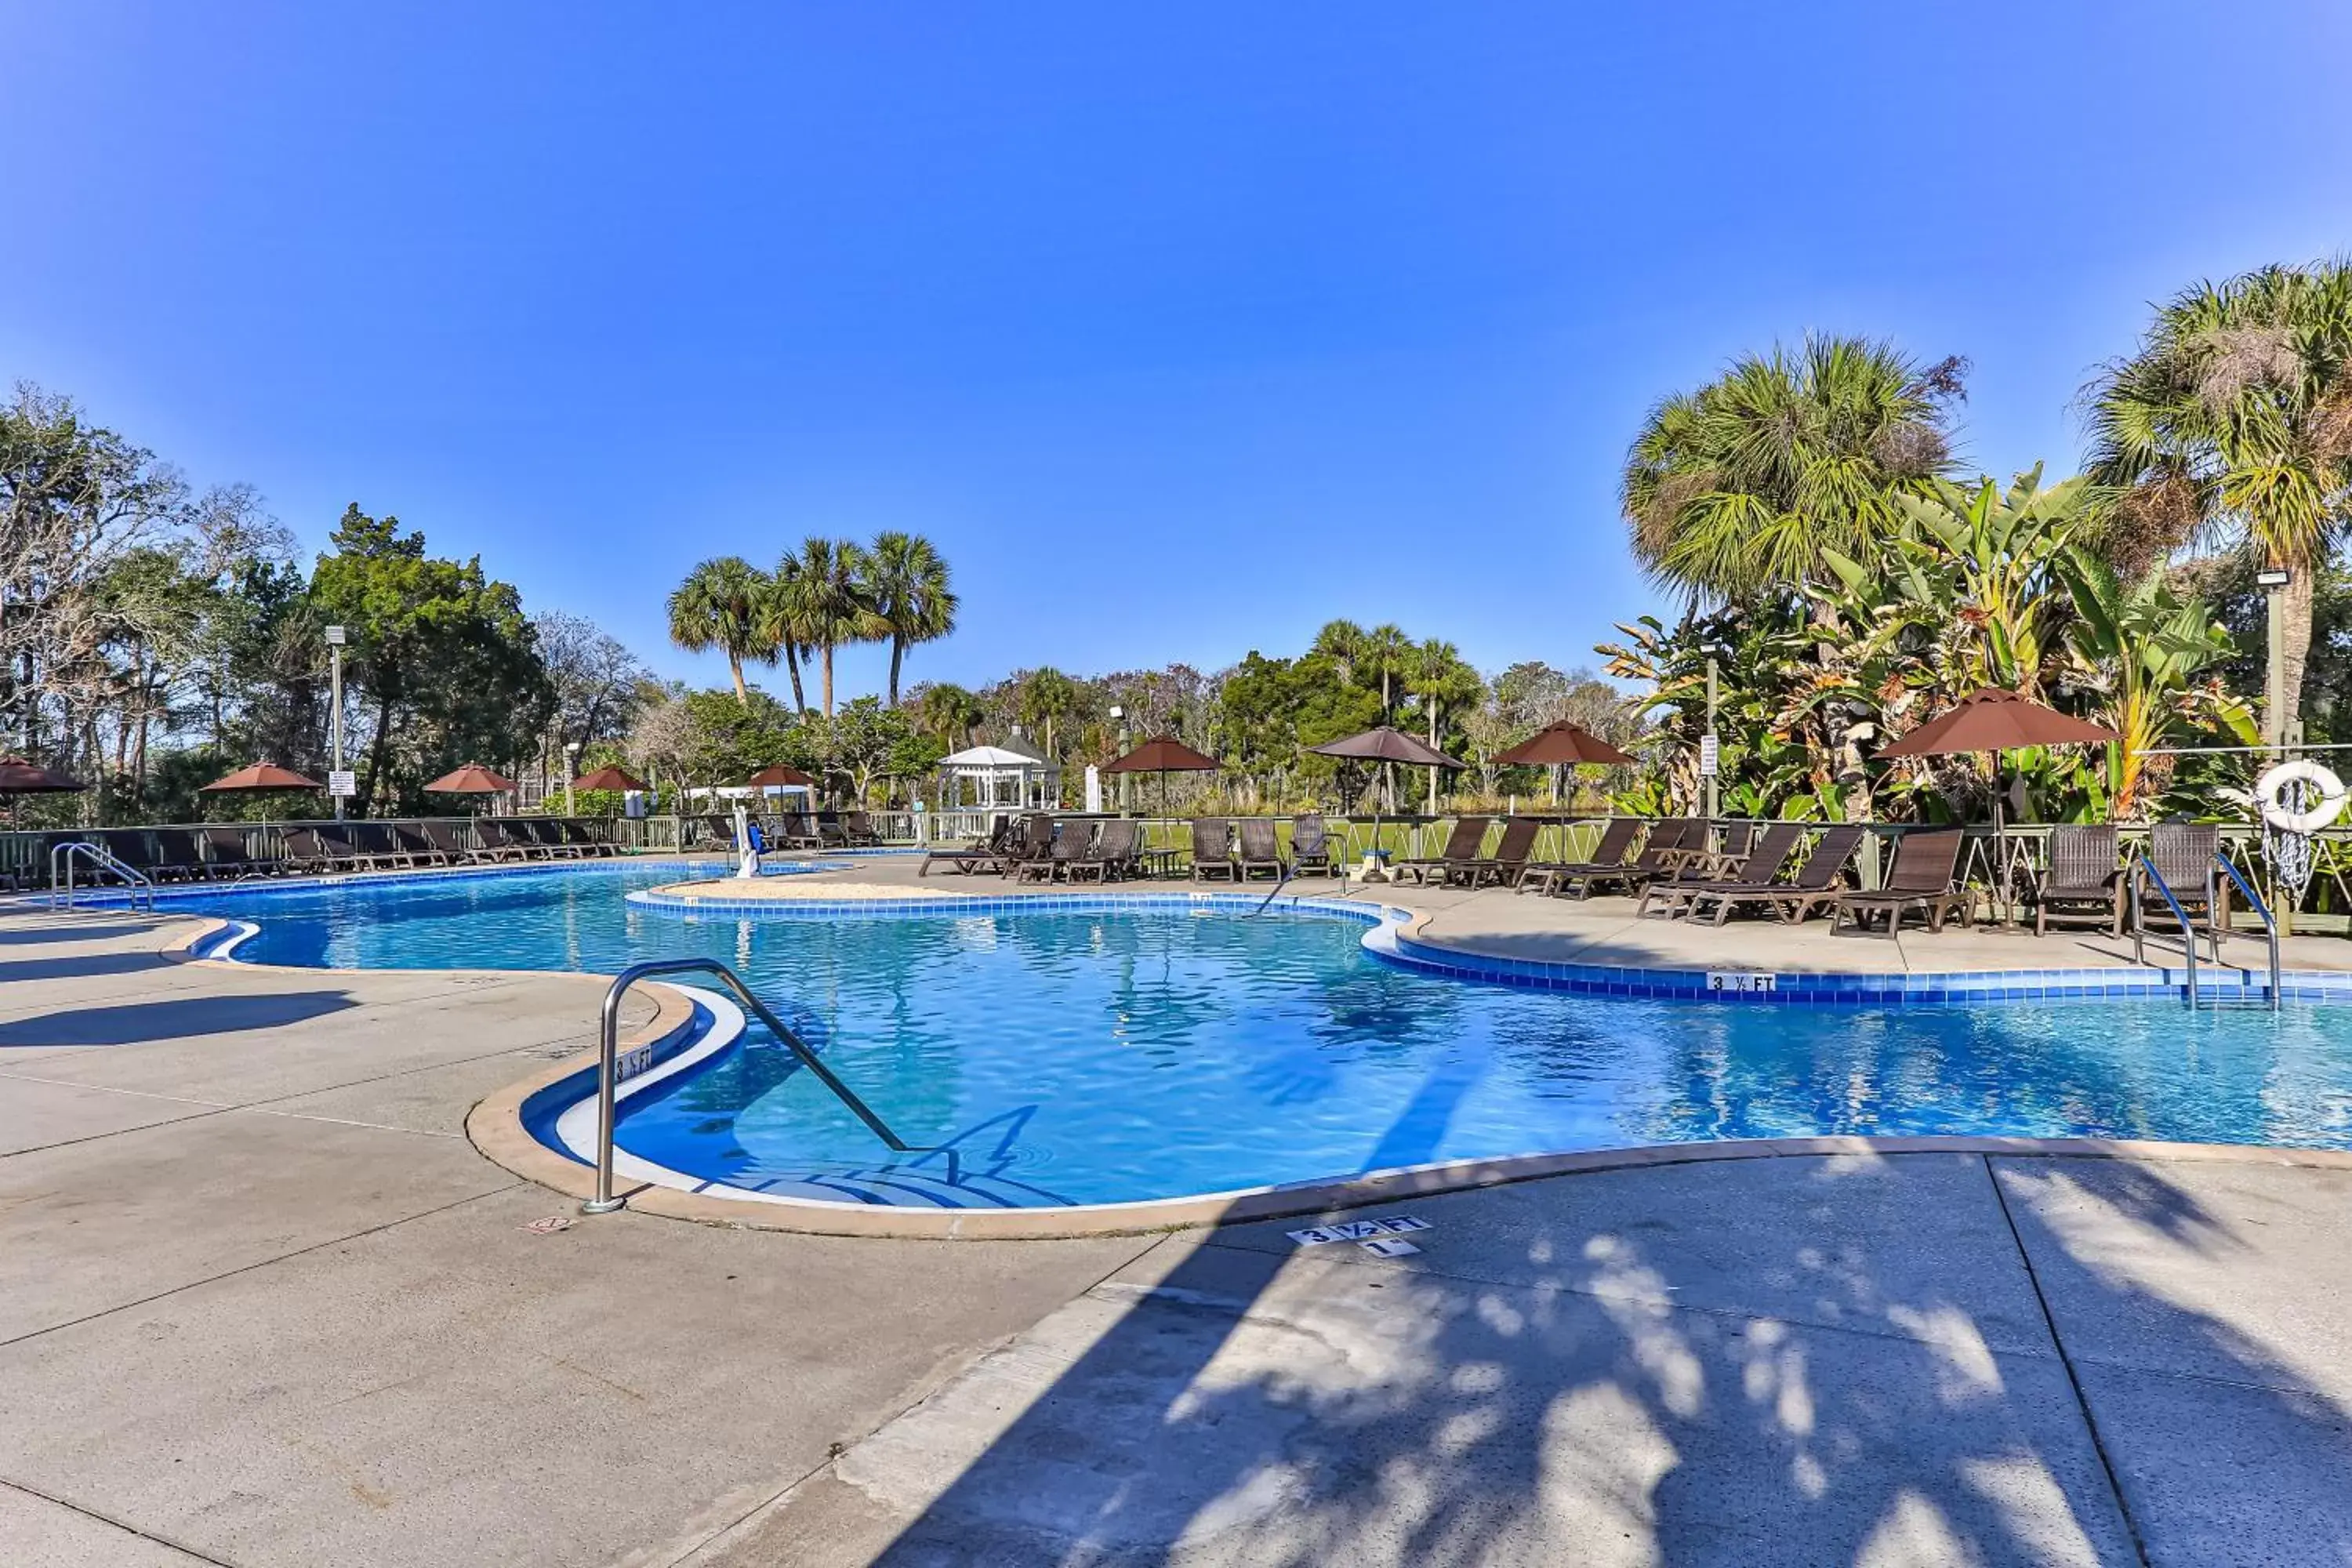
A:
(1436, 674)
(719, 606)
(1046, 694)
(2233, 420)
(778, 627)
(825, 601)
(946, 713)
(907, 581)
(1735, 489)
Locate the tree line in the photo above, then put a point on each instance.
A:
(154, 636)
(1849, 579)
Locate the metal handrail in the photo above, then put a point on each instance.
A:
(138, 883)
(607, 1053)
(2270, 926)
(2139, 925)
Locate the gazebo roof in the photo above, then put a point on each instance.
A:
(1001, 757)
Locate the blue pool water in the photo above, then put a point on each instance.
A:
(1085, 1056)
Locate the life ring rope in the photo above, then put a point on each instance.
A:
(2280, 807)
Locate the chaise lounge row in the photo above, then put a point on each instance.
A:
(231, 852)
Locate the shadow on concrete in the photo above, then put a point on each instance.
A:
(179, 1018)
(35, 936)
(1579, 1387)
(86, 966)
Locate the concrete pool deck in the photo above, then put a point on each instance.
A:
(261, 1303)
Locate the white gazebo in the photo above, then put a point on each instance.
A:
(1005, 775)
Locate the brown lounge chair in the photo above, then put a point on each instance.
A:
(1212, 848)
(969, 857)
(1258, 849)
(1768, 855)
(1310, 848)
(2182, 854)
(1814, 886)
(1921, 880)
(1462, 846)
(1661, 853)
(1617, 837)
(1508, 863)
(1115, 853)
(1058, 856)
(2085, 878)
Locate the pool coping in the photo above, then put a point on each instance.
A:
(498, 1124)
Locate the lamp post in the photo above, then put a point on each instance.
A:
(335, 639)
(571, 772)
(1126, 789)
(2277, 726)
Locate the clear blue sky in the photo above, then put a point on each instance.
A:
(1330, 310)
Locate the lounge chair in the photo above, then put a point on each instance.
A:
(226, 858)
(2085, 878)
(1212, 848)
(1509, 860)
(1617, 837)
(1921, 879)
(382, 845)
(1044, 862)
(2182, 854)
(442, 836)
(1461, 850)
(1661, 853)
(1813, 887)
(859, 829)
(129, 845)
(306, 855)
(548, 834)
(1257, 848)
(1768, 855)
(179, 855)
(967, 859)
(1114, 853)
(585, 839)
(419, 844)
(795, 831)
(1310, 848)
(830, 833)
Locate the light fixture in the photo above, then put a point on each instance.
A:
(2273, 577)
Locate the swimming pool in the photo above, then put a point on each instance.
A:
(1090, 1054)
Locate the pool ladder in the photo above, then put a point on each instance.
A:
(71, 853)
(2141, 864)
(608, 1052)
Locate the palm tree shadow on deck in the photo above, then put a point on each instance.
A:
(1609, 1369)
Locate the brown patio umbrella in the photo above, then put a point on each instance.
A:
(471, 779)
(778, 776)
(1385, 745)
(1993, 721)
(18, 777)
(261, 776)
(1562, 743)
(608, 778)
(1163, 754)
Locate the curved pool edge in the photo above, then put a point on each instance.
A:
(500, 1125)
(497, 1129)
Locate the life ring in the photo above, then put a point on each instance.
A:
(2270, 793)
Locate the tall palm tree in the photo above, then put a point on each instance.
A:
(825, 601)
(907, 581)
(1436, 674)
(948, 714)
(1736, 487)
(719, 606)
(2233, 420)
(1047, 695)
(778, 627)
